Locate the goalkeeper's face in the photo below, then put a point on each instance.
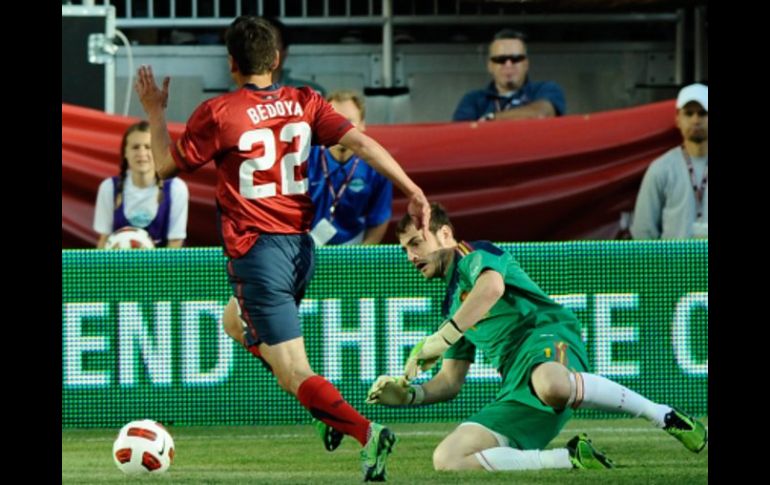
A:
(429, 255)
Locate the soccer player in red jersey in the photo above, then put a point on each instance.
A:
(259, 136)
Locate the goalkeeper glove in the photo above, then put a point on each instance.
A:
(390, 391)
(426, 353)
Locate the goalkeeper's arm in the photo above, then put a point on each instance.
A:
(447, 383)
(487, 290)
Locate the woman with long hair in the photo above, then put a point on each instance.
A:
(137, 197)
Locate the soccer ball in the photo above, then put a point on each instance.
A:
(129, 238)
(143, 447)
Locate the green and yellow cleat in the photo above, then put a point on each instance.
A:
(375, 453)
(585, 456)
(691, 432)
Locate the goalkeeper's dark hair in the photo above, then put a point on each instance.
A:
(438, 219)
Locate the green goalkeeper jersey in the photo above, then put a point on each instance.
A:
(522, 308)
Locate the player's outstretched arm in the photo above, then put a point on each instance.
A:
(375, 155)
(154, 101)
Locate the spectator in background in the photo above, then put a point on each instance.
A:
(352, 201)
(139, 198)
(510, 95)
(281, 75)
(673, 201)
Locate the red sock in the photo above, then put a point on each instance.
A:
(325, 403)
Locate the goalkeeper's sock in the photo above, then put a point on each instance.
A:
(326, 404)
(505, 458)
(590, 391)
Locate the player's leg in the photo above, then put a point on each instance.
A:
(524, 424)
(325, 403)
(235, 327)
(474, 445)
(559, 387)
(457, 451)
(269, 283)
(379, 440)
(579, 453)
(232, 323)
(288, 360)
(591, 391)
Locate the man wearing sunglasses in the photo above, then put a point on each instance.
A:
(510, 95)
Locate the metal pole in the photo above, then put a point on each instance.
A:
(109, 66)
(701, 44)
(387, 43)
(679, 48)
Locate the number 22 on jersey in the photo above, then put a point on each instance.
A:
(290, 160)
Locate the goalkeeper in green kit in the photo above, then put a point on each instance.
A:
(534, 343)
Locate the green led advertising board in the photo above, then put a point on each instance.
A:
(142, 335)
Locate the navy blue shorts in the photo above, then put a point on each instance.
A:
(269, 282)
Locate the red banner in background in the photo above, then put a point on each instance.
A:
(533, 180)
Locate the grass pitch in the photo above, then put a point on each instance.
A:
(295, 455)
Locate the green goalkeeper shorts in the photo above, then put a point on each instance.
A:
(516, 412)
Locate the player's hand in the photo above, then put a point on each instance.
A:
(429, 350)
(390, 391)
(419, 210)
(151, 96)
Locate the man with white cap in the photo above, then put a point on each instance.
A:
(673, 200)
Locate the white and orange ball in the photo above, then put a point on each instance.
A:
(143, 446)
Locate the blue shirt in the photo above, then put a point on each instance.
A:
(366, 201)
(476, 104)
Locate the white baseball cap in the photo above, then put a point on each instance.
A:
(694, 92)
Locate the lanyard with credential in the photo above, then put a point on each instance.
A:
(698, 189)
(504, 106)
(336, 195)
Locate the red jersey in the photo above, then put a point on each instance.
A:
(260, 140)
